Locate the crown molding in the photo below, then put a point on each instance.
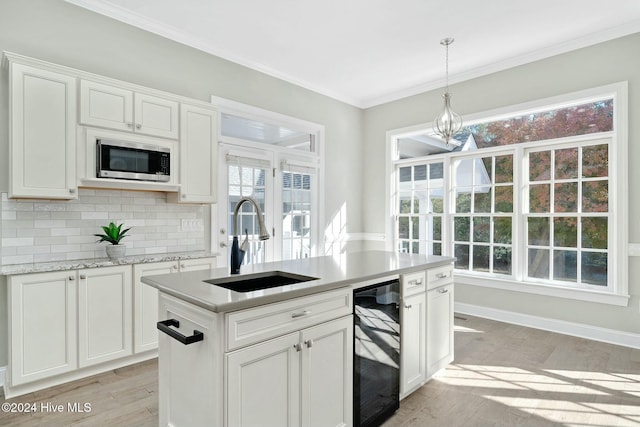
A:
(124, 15)
(136, 20)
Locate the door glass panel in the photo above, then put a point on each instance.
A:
(296, 215)
(247, 181)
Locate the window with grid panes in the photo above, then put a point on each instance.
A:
(420, 208)
(529, 198)
(483, 213)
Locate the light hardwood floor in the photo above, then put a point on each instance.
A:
(503, 375)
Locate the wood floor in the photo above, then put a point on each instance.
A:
(503, 375)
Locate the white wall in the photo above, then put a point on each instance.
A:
(602, 64)
(58, 32)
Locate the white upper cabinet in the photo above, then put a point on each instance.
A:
(198, 154)
(42, 145)
(123, 109)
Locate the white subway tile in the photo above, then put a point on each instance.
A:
(18, 259)
(94, 215)
(17, 241)
(49, 223)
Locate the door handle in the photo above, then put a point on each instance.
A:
(164, 327)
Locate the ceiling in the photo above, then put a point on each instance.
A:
(367, 52)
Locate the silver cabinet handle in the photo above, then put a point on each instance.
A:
(72, 191)
(182, 266)
(416, 282)
(298, 347)
(407, 306)
(82, 277)
(223, 245)
(138, 125)
(72, 278)
(300, 314)
(443, 291)
(129, 125)
(441, 275)
(309, 343)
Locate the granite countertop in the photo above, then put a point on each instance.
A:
(332, 272)
(41, 267)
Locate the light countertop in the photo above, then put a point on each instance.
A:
(41, 267)
(332, 272)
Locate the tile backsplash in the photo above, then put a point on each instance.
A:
(50, 230)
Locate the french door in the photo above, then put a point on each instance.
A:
(285, 187)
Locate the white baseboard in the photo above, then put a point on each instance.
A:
(610, 336)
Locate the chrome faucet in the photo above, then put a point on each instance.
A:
(237, 253)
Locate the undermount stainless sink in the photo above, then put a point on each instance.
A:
(259, 281)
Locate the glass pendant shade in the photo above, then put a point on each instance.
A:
(448, 122)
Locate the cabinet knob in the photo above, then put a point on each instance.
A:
(443, 291)
(82, 276)
(130, 125)
(72, 278)
(72, 191)
(182, 266)
(407, 306)
(309, 343)
(297, 346)
(223, 245)
(138, 125)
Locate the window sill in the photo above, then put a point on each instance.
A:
(548, 290)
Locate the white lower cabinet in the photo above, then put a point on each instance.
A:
(413, 341)
(301, 379)
(146, 298)
(439, 328)
(42, 326)
(62, 321)
(104, 314)
(190, 376)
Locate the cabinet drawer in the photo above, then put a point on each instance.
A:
(439, 276)
(252, 325)
(413, 283)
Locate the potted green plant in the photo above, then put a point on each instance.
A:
(113, 233)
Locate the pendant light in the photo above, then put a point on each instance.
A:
(448, 122)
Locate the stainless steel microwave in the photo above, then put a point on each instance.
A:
(132, 160)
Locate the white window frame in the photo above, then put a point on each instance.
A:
(618, 292)
(276, 155)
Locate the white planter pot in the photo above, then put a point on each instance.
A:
(115, 252)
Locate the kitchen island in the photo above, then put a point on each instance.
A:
(281, 356)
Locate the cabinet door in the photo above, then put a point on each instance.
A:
(198, 264)
(190, 376)
(263, 384)
(145, 305)
(327, 374)
(43, 134)
(413, 337)
(106, 106)
(198, 154)
(104, 314)
(439, 328)
(155, 116)
(42, 326)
